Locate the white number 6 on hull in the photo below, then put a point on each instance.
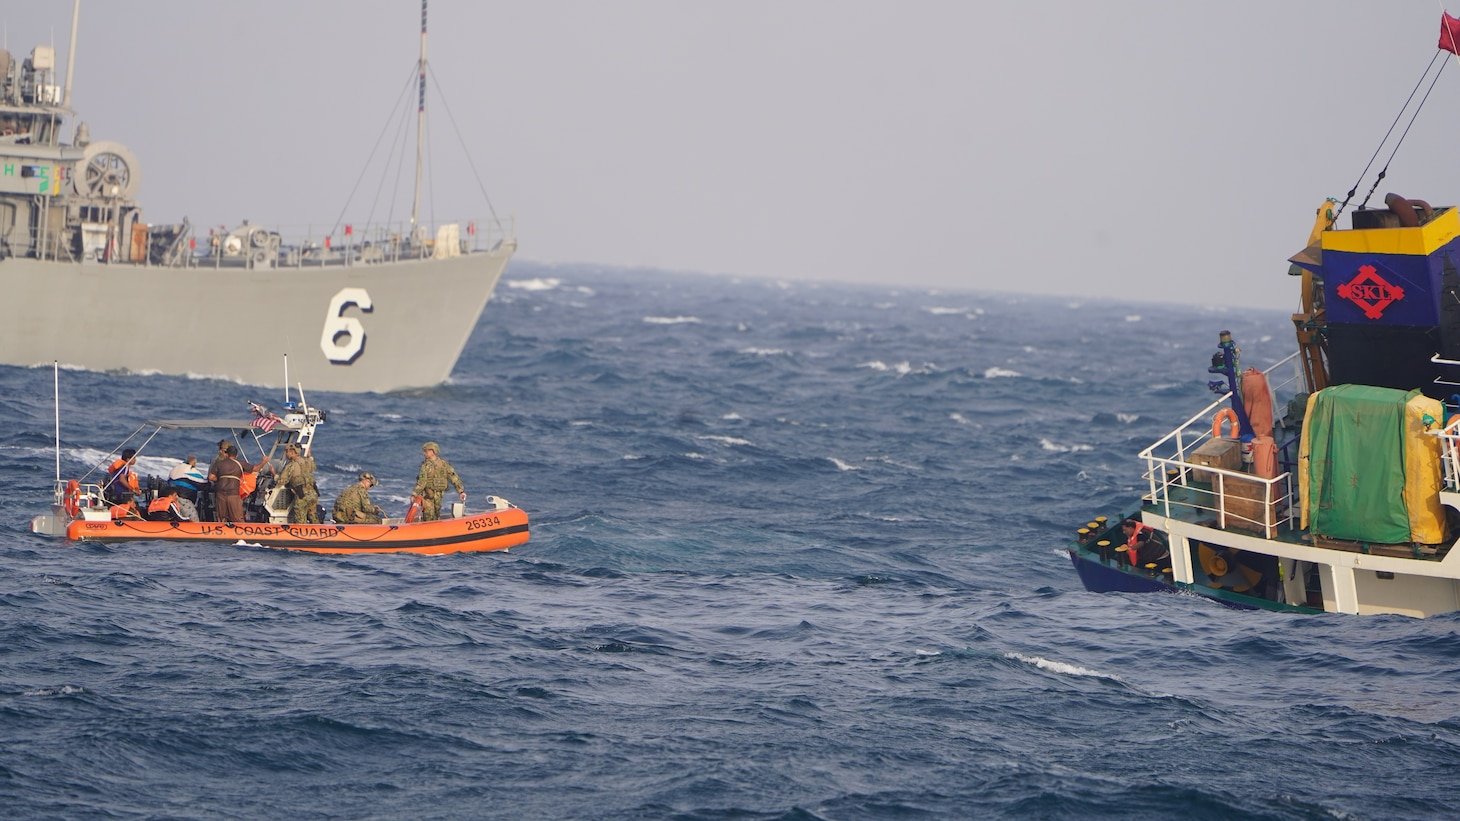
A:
(337, 325)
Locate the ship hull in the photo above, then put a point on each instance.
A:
(1100, 577)
(483, 532)
(358, 328)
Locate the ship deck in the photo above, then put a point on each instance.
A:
(1203, 504)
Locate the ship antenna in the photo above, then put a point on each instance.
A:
(286, 380)
(71, 55)
(56, 397)
(420, 119)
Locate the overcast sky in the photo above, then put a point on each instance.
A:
(1164, 151)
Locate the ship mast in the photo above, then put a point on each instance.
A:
(71, 54)
(420, 122)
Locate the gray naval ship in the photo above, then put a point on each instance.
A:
(89, 283)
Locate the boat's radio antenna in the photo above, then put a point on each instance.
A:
(286, 380)
(56, 395)
(420, 121)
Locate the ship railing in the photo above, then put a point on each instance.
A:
(1450, 454)
(88, 496)
(277, 246)
(1182, 487)
(1449, 435)
(313, 246)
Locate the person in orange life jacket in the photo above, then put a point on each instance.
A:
(1143, 543)
(165, 508)
(121, 479)
(1132, 530)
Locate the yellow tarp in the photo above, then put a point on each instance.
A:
(1303, 457)
(1422, 471)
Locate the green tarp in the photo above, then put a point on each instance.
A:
(1356, 464)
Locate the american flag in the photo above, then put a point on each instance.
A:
(264, 419)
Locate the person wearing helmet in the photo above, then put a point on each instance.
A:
(354, 506)
(297, 478)
(436, 473)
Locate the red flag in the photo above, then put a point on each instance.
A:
(326, 243)
(349, 229)
(1449, 33)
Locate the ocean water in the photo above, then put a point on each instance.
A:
(796, 554)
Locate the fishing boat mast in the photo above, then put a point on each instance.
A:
(420, 123)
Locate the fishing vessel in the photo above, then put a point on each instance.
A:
(88, 281)
(83, 509)
(1337, 488)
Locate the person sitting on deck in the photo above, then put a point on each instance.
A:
(168, 508)
(187, 478)
(1151, 549)
(1133, 530)
(121, 479)
(354, 505)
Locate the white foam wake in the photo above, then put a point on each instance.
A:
(1060, 667)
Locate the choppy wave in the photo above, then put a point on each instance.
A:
(761, 584)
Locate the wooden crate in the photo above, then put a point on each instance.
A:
(1216, 453)
(1250, 504)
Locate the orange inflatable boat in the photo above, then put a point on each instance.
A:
(87, 510)
(492, 530)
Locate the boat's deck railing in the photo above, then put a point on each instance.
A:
(88, 495)
(1449, 439)
(1450, 455)
(263, 246)
(1183, 488)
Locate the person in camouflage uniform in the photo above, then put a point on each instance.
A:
(297, 478)
(314, 510)
(436, 473)
(354, 506)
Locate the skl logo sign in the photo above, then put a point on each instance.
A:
(1370, 292)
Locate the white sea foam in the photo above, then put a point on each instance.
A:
(840, 465)
(580, 423)
(585, 290)
(212, 376)
(937, 310)
(731, 416)
(959, 418)
(918, 651)
(671, 320)
(1127, 418)
(725, 440)
(1133, 318)
(900, 368)
(394, 417)
(996, 372)
(1059, 666)
(1058, 448)
(538, 284)
(63, 690)
(695, 455)
(764, 351)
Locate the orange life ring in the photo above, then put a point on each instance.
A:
(72, 499)
(414, 511)
(1224, 413)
